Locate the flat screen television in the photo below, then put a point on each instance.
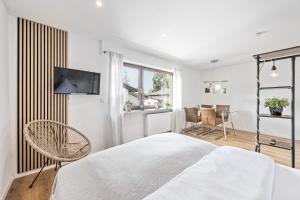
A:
(71, 81)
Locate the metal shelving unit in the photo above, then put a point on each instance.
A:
(277, 87)
(284, 54)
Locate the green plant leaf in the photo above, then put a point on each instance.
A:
(276, 103)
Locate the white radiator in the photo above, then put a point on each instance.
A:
(133, 126)
(156, 123)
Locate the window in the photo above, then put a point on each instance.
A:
(147, 88)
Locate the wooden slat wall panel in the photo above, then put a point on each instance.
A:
(40, 48)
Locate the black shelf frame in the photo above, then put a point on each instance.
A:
(279, 144)
(276, 88)
(264, 58)
(276, 117)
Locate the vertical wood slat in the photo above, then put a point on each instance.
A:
(31, 90)
(40, 49)
(28, 91)
(43, 72)
(23, 97)
(20, 83)
(55, 64)
(35, 67)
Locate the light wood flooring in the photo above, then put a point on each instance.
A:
(42, 188)
(246, 140)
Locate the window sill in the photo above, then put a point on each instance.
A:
(153, 111)
(149, 111)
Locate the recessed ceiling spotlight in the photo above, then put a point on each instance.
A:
(260, 33)
(214, 61)
(164, 35)
(99, 3)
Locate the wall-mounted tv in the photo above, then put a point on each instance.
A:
(71, 81)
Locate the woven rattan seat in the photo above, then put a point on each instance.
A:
(56, 141)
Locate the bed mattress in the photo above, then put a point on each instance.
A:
(172, 166)
(131, 171)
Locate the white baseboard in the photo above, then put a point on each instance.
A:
(6, 189)
(33, 171)
(12, 178)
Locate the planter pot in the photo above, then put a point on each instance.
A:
(276, 111)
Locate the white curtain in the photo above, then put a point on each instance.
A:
(115, 97)
(178, 115)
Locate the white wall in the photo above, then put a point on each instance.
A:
(191, 87)
(7, 162)
(89, 113)
(241, 95)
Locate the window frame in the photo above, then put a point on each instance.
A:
(141, 93)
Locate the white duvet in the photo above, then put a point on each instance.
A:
(227, 173)
(130, 171)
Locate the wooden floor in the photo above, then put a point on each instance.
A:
(42, 188)
(246, 140)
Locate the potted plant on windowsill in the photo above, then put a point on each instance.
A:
(276, 105)
(168, 104)
(128, 105)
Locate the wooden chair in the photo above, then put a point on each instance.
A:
(56, 141)
(222, 109)
(210, 119)
(223, 112)
(206, 106)
(191, 116)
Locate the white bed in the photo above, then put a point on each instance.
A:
(230, 173)
(130, 171)
(171, 167)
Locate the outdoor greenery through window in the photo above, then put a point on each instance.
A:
(146, 88)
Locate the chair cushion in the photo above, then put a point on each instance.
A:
(191, 114)
(224, 109)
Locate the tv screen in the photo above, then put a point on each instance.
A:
(68, 81)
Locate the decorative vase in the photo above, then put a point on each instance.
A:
(277, 111)
(128, 108)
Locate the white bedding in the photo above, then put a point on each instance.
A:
(227, 173)
(130, 171)
(287, 182)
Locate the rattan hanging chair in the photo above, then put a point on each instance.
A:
(56, 141)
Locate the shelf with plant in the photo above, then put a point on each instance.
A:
(276, 105)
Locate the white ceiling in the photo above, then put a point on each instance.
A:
(197, 30)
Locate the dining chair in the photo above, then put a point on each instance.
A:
(191, 115)
(223, 112)
(206, 106)
(209, 118)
